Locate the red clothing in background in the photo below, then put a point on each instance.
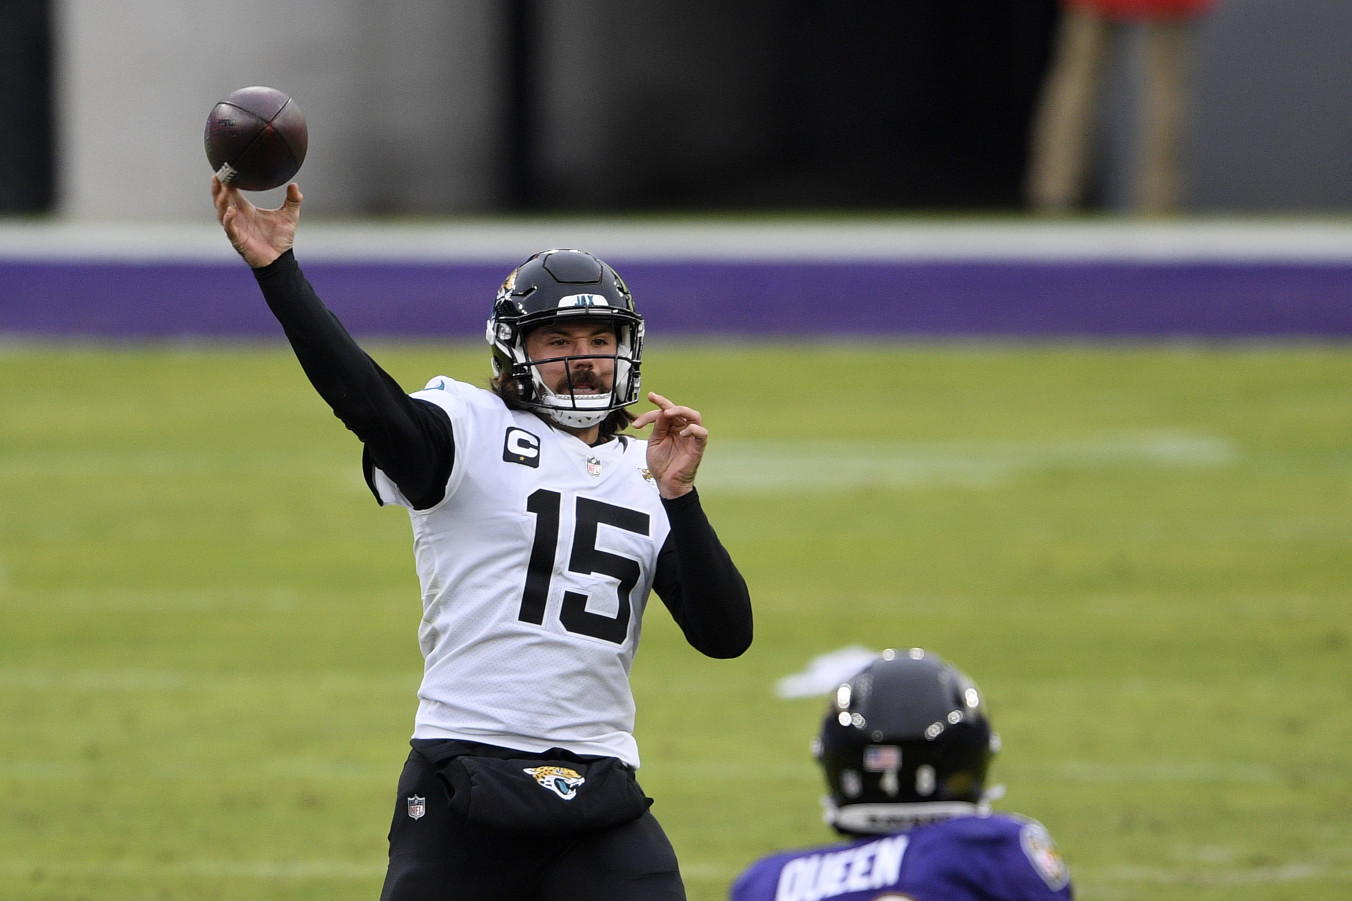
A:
(1144, 9)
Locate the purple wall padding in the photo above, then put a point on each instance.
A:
(896, 297)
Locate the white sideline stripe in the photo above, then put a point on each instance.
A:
(226, 869)
(801, 238)
(759, 466)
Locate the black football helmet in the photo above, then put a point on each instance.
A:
(905, 741)
(556, 285)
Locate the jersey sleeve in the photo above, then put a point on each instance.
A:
(442, 398)
(758, 882)
(409, 440)
(1006, 856)
(1047, 875)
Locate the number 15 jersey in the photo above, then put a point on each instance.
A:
(535, 570)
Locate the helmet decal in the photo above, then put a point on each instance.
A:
(584, 300)
(879, 758)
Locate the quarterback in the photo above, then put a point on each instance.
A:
(540, 528)
(905, 747)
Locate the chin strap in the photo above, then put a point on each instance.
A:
(570, 418)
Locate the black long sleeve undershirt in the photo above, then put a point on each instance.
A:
(412, 442)
(701, 586)
(408, 439)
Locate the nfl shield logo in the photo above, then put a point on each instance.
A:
(417, 807)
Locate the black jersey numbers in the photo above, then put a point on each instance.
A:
(584, 557)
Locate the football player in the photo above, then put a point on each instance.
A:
(540, 527)
(904, 747)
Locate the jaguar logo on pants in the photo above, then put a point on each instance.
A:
(560, 780)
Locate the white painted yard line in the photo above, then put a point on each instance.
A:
(707, 871)
(299, 869)
(35, 679)
(1282, 606)
(1206, 875)
(145, 600)
(736, 464)
(761, 466)
(1155, 772)
(1203, 875)
(221, 869)
(115, 767)
(92, 461)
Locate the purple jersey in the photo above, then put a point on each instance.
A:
(974, 858)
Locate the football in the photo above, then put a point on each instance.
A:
(256, 138)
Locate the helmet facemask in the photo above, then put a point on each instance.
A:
(565, 407)
(552, 288)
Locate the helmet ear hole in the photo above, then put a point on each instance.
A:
(517, 388)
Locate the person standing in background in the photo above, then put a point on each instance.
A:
(1063, 126)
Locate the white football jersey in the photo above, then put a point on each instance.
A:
(535, 570)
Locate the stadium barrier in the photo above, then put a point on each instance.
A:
(1094, 280)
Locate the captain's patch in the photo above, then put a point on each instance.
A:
(520, 446)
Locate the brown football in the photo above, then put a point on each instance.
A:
(256, 138)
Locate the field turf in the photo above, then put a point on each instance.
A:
(1142, 553)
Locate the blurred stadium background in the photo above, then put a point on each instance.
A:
(1101, 461)
(417, 106)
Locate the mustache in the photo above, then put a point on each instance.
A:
(584, 378)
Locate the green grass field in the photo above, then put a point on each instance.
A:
(1143, 553)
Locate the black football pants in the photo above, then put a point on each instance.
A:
(436, 857)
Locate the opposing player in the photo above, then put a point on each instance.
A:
(539, 531)
(905, 747)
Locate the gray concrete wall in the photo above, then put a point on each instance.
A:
(400, 99)
(1273, 114)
